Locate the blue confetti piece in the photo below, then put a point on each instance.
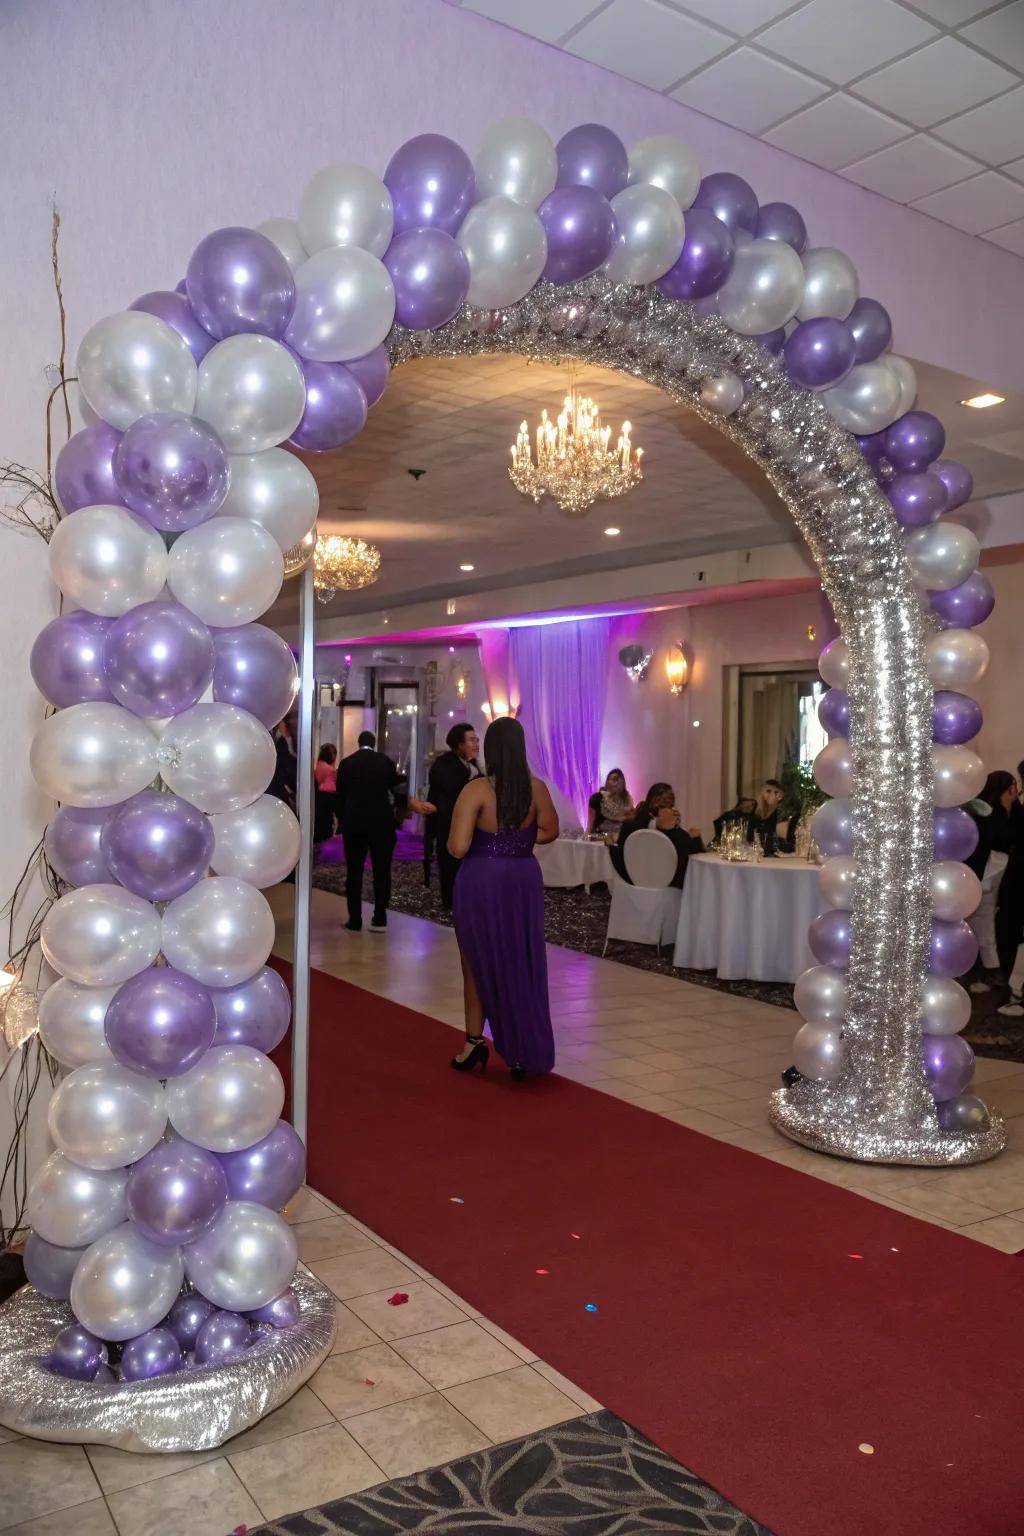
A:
(590, 1307)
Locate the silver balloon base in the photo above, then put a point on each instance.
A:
(194, 1410)
(806, 1115)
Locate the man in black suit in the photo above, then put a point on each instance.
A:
(367, 783)
(449, 775)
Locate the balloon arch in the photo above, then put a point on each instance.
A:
(157, 1215)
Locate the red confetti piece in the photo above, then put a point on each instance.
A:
(854, 1255)
(399, 1299)
(369, 1381)
(542, 1271)
(575, 1235)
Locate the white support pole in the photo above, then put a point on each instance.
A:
(304, 873)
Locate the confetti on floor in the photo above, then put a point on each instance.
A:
(368, 1381)
(590, 1307)
(868, 1450)
(854, 1255)
(542, 1271)
(456, 1200)
(575, 1235)
(398, 1299)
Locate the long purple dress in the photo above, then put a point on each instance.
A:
(498, 910)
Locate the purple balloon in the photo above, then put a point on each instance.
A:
(834, 712)
(954, 833)
(67, 660)
(705, 261)
(257, 1012)
(954, 949)
(915, 440)
(270, 1172)
(181, 286)
(158, 659)
(335, 406)
(238, 282)
(187, 1316)
(948, 1064)
(832, 827)
(282, 1312)
(176, 1192)
(50, 1268)
(73, 846)
(917, 499)
(222, 1339)
(157, 845)
(431, 277)
(175, 310)
(829, 937)
(581, 230)
(153, 1353)
(371, 370)
(872, 447)
(592, 156)
(160, 1022)
(431, 182)
(77, 1353)
(730, 199)
(819, 353)
(773, 341)
(871, 328)
(254, 669)
(956, 718)
(781, 221)
(957, 479)
(172, 469)
(964, 606)
(84, 472)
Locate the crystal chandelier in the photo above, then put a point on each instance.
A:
(574, 463)
(342, 564)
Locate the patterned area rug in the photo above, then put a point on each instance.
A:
(591, 1477)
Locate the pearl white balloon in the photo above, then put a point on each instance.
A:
(276, 490)
(906, 378)
(346, 205)
(220, 932)
(506, 247)
(941, 556)
(958, 775)
(73, 1206)
(818, 1052)
(100, 935)
(124, 1284)
(217, 757)
(945, 1006)
(227, 571)
(71, 1024)
(132, 363)
(831, 285)
(246, 1259)
(650, 234)
(92, 755)
(666, 161)
(956, 890)
(518, 160)
(838, 878)
(344, 306)
(834, 663)
(259, 843)
(107, 560)
(867, 400)
(103, 1116)
(284, 233)
(722, 394)
(763, 289)
(833, 768)
(251, 391)
(230, 1099)
(820, 995)
(957, 658)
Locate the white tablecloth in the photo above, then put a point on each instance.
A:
(573, 861)
(748, 921)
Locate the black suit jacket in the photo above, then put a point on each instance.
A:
(366, 781)
(448, 777)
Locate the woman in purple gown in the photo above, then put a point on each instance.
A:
(498, 907)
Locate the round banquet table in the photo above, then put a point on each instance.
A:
(570, 861)
(748, 922)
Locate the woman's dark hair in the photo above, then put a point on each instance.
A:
(505, 756)
(457, 735)
(645, 808)
(620, 773)
(328, 753)
(996, 786)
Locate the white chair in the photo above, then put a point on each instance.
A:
(646, 912)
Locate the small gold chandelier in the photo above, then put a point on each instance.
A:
(574, 463)
(342, 564)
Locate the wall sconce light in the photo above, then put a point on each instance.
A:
(461, 684)
(677, 669)
(812, 633)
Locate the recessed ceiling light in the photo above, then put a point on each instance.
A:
(467, 567)
(982, 402)
(613, 532)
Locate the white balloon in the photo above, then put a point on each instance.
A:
(818, 1052)
(100, 935)
(344, 306)
(723, 394)
(259, 843)
(93, 755)
(220, 932)
(284, 233)
(945, 1006)
(956, 890)
(763, 289)
(834, 663)
(124, 1284)
(506, 247)
(906, 378)
(103, 1116)
(227, 571)
(132, 363)
(246, 1259)
(346, 205)
(230, 1099)
(71, 1025)
(941, 556)
(831, 285)
(107, 560)
(73, 1206)
(251, 391)
(650, 234)
(820, 995)
(666, 161)
(838, 878)
(867, 400)
(276, 490)
(217, 757)
(957, 658)
(958, 775)
(518, 160)
(833, 768)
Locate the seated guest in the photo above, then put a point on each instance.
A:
(744, 807)
(763, 821)
(611, 805)
(657, 810)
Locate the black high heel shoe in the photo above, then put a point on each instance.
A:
(479, 1055)
(517, 1074)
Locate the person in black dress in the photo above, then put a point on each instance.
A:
(997, 863)
(657, 810)
(448, 777)
(741, 811)
(368, 785)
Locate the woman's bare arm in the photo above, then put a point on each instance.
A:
(547, 816)
(464, 818)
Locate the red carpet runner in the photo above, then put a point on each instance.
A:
(758, 1324)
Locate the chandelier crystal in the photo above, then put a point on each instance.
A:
(574, 463)
(343, 564)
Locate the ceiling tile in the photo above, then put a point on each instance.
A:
(912, 169)
(835, 132)
(546, 19)
(1015, 168)
(840, 40)
(646, 42)
(739, 16)
(952, 13)
(1011, 238)
(749, 90)
(982, 203)
(936, 82)
(1001, 34)
(994, 132)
